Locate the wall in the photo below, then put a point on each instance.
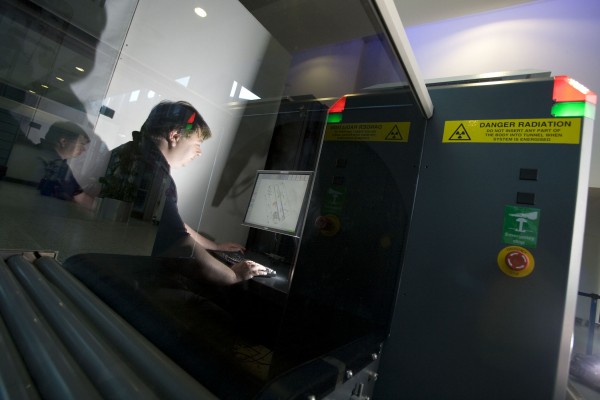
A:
(589, 281)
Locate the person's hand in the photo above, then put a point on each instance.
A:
(248, 269)
(230, 247)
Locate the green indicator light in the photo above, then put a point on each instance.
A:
(574, 109)
(334, 118)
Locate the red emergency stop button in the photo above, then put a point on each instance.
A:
(328, 225)
(516, 260)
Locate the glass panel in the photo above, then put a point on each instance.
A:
(82, 172)
(275, 66)
(57, 64)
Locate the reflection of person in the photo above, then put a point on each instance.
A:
(171, 137)
(41, 38)
(63, 141)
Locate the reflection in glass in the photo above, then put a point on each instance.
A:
(263, 74)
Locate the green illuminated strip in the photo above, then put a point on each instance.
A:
(574, 109)
(334, 118)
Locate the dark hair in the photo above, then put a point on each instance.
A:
(65, 130)
(178, 116)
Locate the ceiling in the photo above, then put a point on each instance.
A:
(287, 20)
(417, 12)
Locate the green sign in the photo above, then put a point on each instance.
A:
(334, 200)
(521, 226)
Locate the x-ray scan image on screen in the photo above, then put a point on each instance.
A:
(278, 201)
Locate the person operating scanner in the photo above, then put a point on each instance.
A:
(171, 137)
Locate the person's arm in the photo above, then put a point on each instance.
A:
(85, 200)
(212, 270)
(211, 245)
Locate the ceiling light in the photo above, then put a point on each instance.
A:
(58, 78)
(79, 69)
(200, 12)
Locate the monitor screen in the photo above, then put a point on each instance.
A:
(278, 201)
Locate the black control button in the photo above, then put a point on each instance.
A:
(525, 198)
(528, 174)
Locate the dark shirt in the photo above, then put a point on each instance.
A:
(143, 158)
(57, 180)
(171, 228)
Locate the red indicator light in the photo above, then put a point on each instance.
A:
(338, 106)
(567, 89)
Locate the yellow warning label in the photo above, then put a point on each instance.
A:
(368, 132)
(535, 131)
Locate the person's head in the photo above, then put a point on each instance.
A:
(67, 139)
(178, 129)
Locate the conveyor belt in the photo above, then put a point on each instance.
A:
(59, 341)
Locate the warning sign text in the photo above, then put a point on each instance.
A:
(368, 132)
(548, 131)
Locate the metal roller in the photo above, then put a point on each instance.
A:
(55, 372)
(15, 381)
(105, 368)
(170, 380)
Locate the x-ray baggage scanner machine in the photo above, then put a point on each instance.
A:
(439, 257)
(454, 243)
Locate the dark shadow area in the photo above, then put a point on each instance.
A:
(194, 324)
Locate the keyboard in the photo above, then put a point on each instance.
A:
(233, 257)
(228, 257)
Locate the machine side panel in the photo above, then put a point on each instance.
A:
(349, 260)
(463, 327)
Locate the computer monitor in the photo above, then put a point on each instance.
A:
(279, 200)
